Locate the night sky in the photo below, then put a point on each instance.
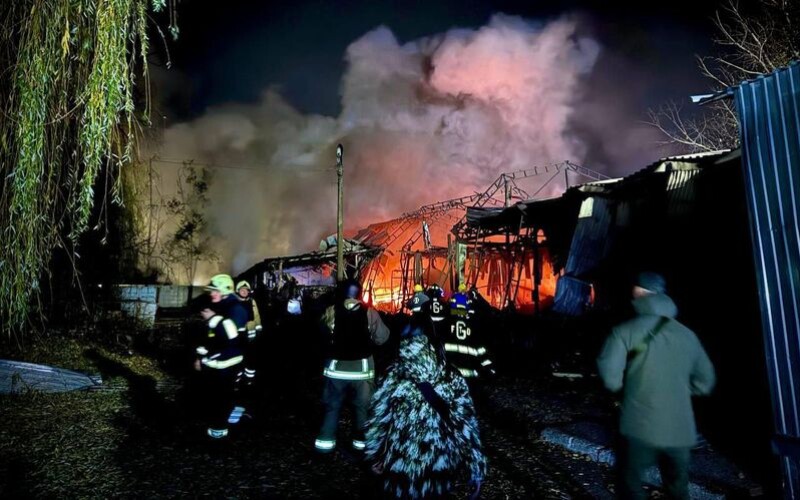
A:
(232, 51)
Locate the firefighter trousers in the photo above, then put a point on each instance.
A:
(219, 385)
(250, 350)
(334, 395)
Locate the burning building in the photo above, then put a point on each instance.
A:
(436, 244)
(440, 243)
(567, 253)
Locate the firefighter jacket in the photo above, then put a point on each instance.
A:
(221, 349)
(355, 328)
(253, 325)
(462, 343)
(438, 307)
(233, 308)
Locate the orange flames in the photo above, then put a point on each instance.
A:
(500, 275)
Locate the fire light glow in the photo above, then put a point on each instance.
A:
(496, 274)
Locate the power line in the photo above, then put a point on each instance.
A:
(261, 168)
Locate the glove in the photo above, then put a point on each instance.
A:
(475, 489)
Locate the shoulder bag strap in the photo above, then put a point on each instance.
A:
(642, 346)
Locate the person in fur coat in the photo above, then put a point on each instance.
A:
(423, 435)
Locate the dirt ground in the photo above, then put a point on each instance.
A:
(138, 436)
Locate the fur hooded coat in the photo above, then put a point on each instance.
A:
(420, 450)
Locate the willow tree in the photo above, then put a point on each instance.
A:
(68, 71)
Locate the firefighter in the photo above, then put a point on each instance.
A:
(251, 329)
(419, 300)
(463, 345)
(350, 369)
(220, 354)
(245, 295)
(438, 305)
(421, 303)
(227, 304)
(461, 304)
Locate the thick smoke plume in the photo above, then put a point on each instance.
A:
(421, 121)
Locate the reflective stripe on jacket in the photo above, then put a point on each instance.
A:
(465, 349)
(221, 364)
(360, 369)
(221, 349)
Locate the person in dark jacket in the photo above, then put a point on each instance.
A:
(350, 368)
(220, 354)
(658, 364)
(423, 435)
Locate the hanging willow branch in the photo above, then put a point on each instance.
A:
(67, 103)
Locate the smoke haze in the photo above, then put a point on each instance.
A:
(431, 119)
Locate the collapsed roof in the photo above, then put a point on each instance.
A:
(558, 217)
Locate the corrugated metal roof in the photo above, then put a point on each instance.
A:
(690, 164)
(769, 119)
(662, 165)
(696, 156)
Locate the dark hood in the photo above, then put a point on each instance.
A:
(655, 305)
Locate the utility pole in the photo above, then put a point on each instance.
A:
(340, 215)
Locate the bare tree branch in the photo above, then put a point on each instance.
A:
(753, 40)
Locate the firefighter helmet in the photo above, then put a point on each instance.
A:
(221, 283)
(242, 284)
(418, 302)
(435, 291)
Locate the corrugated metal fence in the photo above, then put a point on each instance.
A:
(769, 114)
